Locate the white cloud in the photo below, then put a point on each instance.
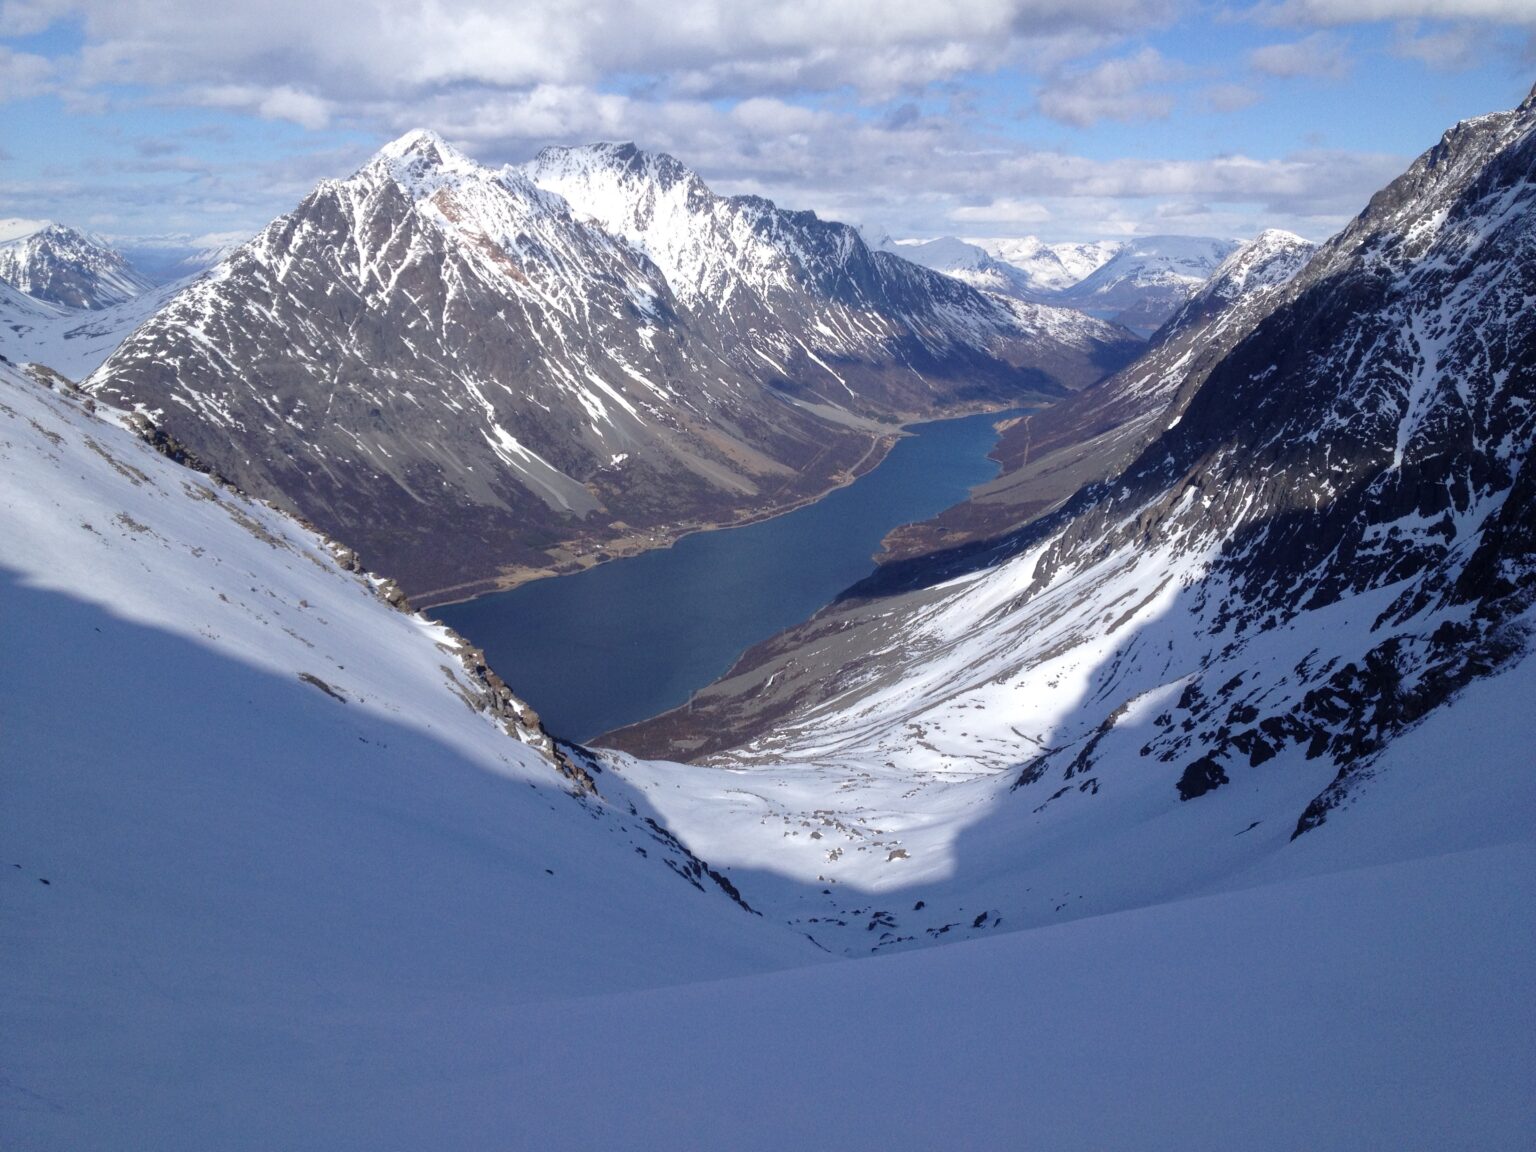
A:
(1447, 49)
(27, 17)
(376, 47)
(279, 103)
(1229, 97)
(1334, 13)
(859, 109)
(1003, 211)
(1320, 54)
(285, 103)
(1112, 90)
(23, 75)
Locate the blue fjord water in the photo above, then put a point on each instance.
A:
(631, 638)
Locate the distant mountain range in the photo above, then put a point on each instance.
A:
(1048, 455)
(68, 299)
(1139, 283)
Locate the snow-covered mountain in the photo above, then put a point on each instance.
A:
(966, 262)
(469, 379)
(73, 342)
(1147, 280)
(66, 299)
(1139, 283)
(1025, 267)
(1252, 273)
(1212, 654)
(784, 283)
(1049, 267)
(61, 266)
(1047, 456)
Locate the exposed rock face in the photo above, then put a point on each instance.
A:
(1336, 535)
(61, 266)
(452, 370)
(1049, 455)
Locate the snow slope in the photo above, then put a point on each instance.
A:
(1376, 992)
(1387, 1008)
(244, 795)
(74, 341)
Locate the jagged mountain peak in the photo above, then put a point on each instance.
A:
(711, 248)
(422, 150)
(625, 161)
(460, 191)
(578, 351)
(1265, 263)
(421, 161)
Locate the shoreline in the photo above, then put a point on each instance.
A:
(625, 547)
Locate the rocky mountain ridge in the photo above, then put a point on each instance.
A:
(452, 369)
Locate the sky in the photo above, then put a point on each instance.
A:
(184, 123)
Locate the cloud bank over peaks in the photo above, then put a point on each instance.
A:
(1061, 117)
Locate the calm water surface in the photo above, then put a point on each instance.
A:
(632, 638)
